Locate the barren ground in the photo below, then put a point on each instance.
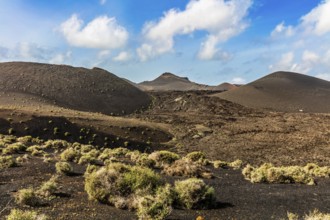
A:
(182, 122)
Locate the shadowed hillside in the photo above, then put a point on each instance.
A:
(83, 89)
(171, 82)
(283, 91)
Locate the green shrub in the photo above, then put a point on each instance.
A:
(138, 178)
(163, 157)
(16, 214)
(57, 144)
(64, 168)
(315, 215)
(25, 139)
(14, 148)
(48, 188)
(6, 162)
(187, 168)
(144, 160)
(27, 197)
(70, 154)
(315, 170)
(158, 206)
(87, 158)
(267, 173)
(198, 157)
(220, 164)
(194, 194)
(237, 164)
(119, 180)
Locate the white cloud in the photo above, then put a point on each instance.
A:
(102, 32)
(318, 20)
(303, 65)
(225, 19)
(308, 42)
(238, 80)
(122, 56)
(281, 29)
(310, 57)
(102, 2)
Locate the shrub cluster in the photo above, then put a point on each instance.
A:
(267, 173)
(315, 215)
(140, 188)
(16, 214)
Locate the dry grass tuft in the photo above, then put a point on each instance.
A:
(187, 168)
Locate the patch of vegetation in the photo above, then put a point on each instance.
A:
(197, 157)
(163, 157)
(315, 215)
(237, 164)
(70, 154)
(194, 194)
(27, 197)
(267, 173)
(7, 162)
(157, 206)
(120, 180)
(16, 214)
(48, 188)
(187, 168)
(14, 148)
(64, 168)
(56, 144)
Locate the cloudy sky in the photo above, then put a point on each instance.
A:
(210, 41)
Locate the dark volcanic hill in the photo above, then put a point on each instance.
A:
(77, 88)
(283, 91)
(171, 82)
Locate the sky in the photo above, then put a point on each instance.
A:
(209, 41)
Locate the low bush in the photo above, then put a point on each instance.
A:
(144, 160)
(163, 158)
(237, 164)
(27, 197)
(267, 173)
(194, 194)
(187, 168)
(315, 215)
(56, 144)
(158, 206)
(118, 180)
(64, 168)
(317, 171)
(198, 157)
(14, 148)
(70, 154)
(16, 214)
(48, 188)
(6, 162)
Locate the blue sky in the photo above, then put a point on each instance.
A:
(210, 41)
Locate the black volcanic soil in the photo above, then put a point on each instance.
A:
(182, 122)
(94, 90)
(284, 91)
(236, 197)
(229, 131)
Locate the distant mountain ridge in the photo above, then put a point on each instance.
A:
(171, 82)
(284, 91)
(94, 90)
